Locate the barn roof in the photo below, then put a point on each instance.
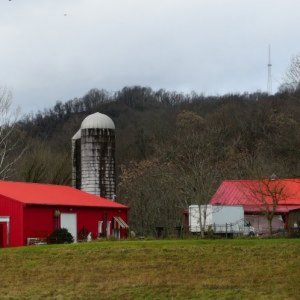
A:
(247, 192)
(49, 194)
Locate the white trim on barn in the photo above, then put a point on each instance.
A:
(7, 221)
(108, 231)
(100, 228)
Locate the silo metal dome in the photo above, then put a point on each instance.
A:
(77, 135)
(97, 120)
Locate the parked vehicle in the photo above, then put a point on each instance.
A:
(220, 220)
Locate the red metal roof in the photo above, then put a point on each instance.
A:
(245, 192)
(48, 194)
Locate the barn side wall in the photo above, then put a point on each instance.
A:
(294, 219)
(14, 210)
(261, 225)
(40, 220)
(293, 223)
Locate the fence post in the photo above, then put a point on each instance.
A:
(226, 231)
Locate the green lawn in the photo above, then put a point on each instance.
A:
(166, 269)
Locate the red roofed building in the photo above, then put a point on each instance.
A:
(249, 194)
(31, 211)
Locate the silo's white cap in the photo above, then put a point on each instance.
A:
(97, 120)
(77, 135)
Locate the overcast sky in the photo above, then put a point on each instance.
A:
(59, 49)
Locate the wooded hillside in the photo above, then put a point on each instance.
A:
(172, 149)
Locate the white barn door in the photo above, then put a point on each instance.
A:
(69, 221)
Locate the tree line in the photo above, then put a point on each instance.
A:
(173, 149)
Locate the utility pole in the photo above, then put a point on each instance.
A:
(269, 73)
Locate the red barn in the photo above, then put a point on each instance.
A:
(249, 193)
(30, 211)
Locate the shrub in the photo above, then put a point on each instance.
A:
(60, 236)
(83, 234)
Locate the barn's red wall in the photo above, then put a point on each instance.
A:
(14, 210)
(39, 221)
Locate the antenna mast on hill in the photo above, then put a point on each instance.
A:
(269, 73)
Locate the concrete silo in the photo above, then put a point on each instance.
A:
(93, 155)
(76, 160)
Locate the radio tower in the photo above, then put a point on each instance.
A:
(269, 73)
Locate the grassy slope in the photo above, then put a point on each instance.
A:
(183, 269)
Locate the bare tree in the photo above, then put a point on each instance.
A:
(292, 77)
(147, 190)
(198, 182)
(39, 165)
(266, 194)
(194, 172)
(9, 154)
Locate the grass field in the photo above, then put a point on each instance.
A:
(165, 269)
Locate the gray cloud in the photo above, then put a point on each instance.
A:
(212, 46)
